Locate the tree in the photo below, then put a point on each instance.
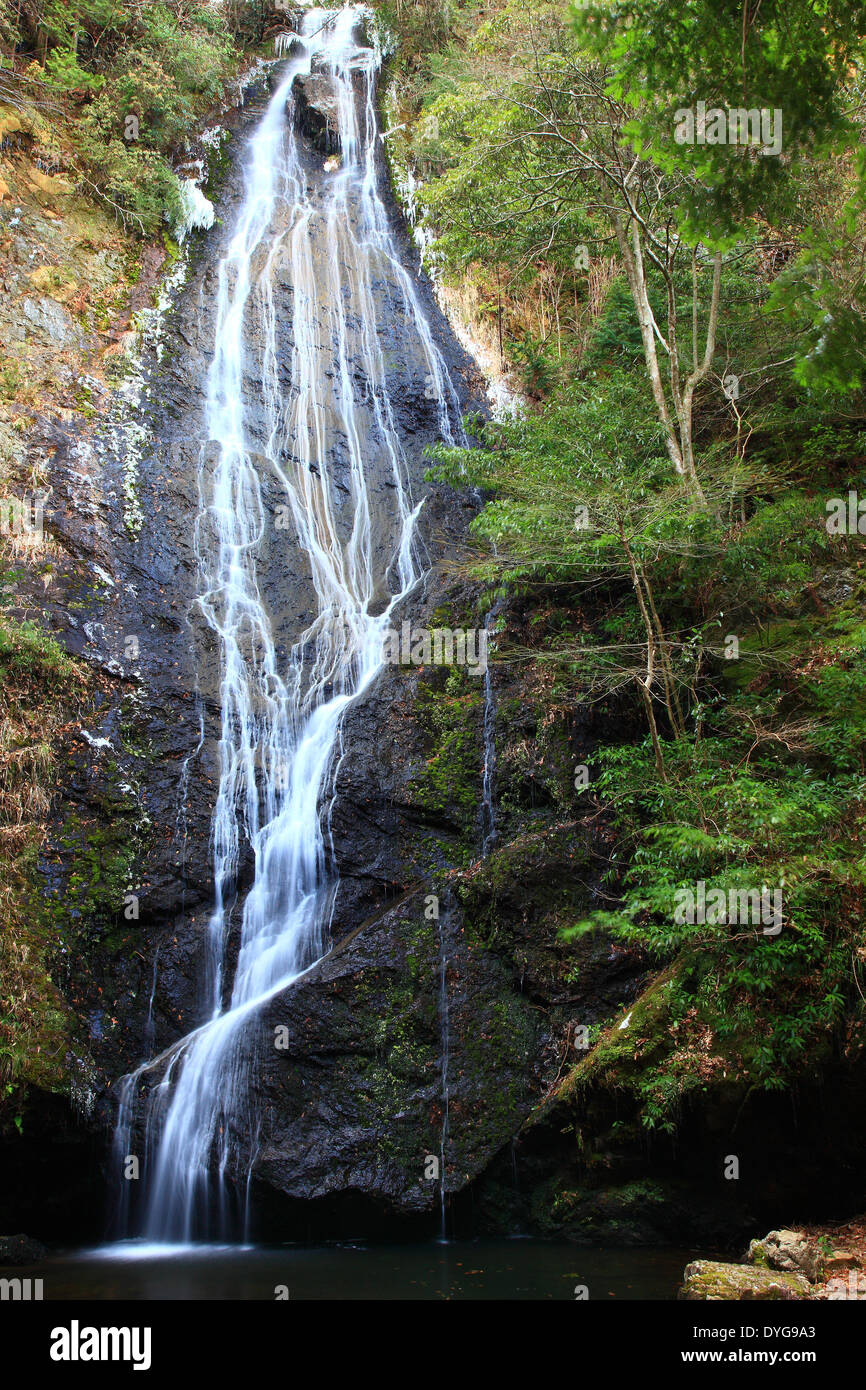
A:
(799, 62)
(794, 57)
(557, 140)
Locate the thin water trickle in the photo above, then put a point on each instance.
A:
(445, 1047)
(489, 832)
(280, 721)
(150, 1025)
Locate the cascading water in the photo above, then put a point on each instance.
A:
(280, 721)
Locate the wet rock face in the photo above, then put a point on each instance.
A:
(352, 1066)
(350, 1078)
(315, 111)
(125, 511)
(20, 1250)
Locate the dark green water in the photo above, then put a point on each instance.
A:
(513, 1269)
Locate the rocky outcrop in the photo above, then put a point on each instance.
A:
(407, 1007)
(20, 1250)
(787, 1264)
(357, 1058)
(715, 1281)
(315, 111)
(790, 1251)
(431, 1054)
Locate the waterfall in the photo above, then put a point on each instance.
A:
(281, 720)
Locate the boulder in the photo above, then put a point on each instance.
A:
(715, 1281)
(839, 1262)
(51, 323)
(786, 1250)
(20, 1250)
(316, 111)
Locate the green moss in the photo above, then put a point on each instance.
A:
(219, 163)
(449, 710)
(104, 857)
(559, 1207)
(30, 657)
(711, 1279)
(541, 875)
(398, 1017)
(41, 687)
(36, 1023)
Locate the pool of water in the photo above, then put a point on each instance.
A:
(502, 1269)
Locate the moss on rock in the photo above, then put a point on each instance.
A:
(716, 1282)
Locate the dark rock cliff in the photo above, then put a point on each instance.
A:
(446, 1017)
(353, 1105)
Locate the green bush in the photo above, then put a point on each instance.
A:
(161, 63)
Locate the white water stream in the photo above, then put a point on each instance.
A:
(281, 721)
